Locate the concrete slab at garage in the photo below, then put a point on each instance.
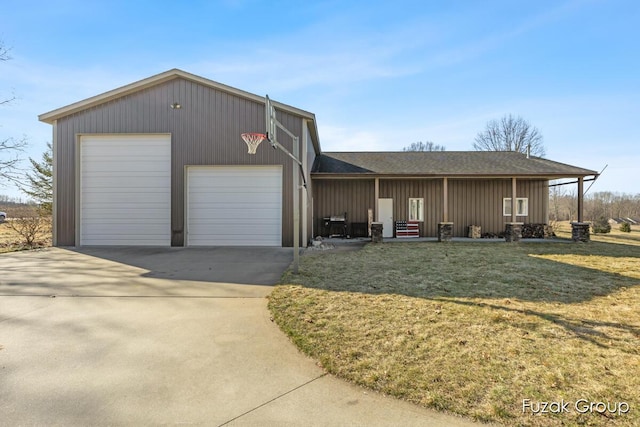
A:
(154, 336)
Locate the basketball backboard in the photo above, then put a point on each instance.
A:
(270, 120)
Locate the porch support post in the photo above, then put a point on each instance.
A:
(580, 197)
(376, 214)
(513, 199)
(513, 229)
(445, 200)
(580, 229)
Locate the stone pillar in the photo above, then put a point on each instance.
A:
(580, 232)
(513, 231)
(376, 232)
(445, 231)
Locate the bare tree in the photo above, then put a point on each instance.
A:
(10, 148)
(4, 56)
(556, 194)
(610, 204)
(424, 146)
(31, 226)
(570, 204)
(510, 134)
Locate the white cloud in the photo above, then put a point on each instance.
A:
(336, 138)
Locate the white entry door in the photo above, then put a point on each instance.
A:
(385, 216)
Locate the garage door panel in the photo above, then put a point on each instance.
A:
(233, 239)
(131, 200)
(125, 190)
(148, 180)
(124, 240)
(137, 152)
(235, 206)
(142, 215)
(252, 215)
(121, 227)
(133, 194)
(249, 229)
(236, 199)
(222, 182)
(131, 229)
(213, 223)
(124, 168)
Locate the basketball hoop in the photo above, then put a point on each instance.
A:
(253, 140)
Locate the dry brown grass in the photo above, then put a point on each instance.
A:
(11, 240)
(475, 328)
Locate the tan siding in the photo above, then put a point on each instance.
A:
(334, 197)
(400, 190)
(66, 190)
(471, 202)
(205, 131)
(479, 202)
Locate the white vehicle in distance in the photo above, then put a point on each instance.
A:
(3, 216)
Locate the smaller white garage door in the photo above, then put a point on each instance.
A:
(234, 206)
(125, 187)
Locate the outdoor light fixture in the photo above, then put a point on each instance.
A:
(176, 106)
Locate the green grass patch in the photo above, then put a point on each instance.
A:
(475, 328)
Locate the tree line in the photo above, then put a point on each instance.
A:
(563, 205)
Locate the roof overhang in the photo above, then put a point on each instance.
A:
(320, 175)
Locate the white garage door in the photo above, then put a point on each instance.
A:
(125, 190)
(234, 206)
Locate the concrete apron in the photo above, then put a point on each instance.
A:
(123, 344)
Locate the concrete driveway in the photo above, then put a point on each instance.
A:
(130, 336)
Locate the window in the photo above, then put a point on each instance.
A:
(416, 209)
(522, 206)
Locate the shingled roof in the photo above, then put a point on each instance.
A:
(443, 163)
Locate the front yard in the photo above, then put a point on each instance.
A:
(478, 328)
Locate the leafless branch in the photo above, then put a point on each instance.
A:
(8, 101)
(10, 150)
(30, 224)
(4, 52)
(424, 146)
(510, 134)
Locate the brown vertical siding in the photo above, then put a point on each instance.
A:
(334, 197)
(65, 195)
(401, 190)
(479, 202)
(205, 131)
(471, 201)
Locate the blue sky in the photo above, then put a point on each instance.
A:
(379, 75)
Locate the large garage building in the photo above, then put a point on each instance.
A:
(161, 162)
